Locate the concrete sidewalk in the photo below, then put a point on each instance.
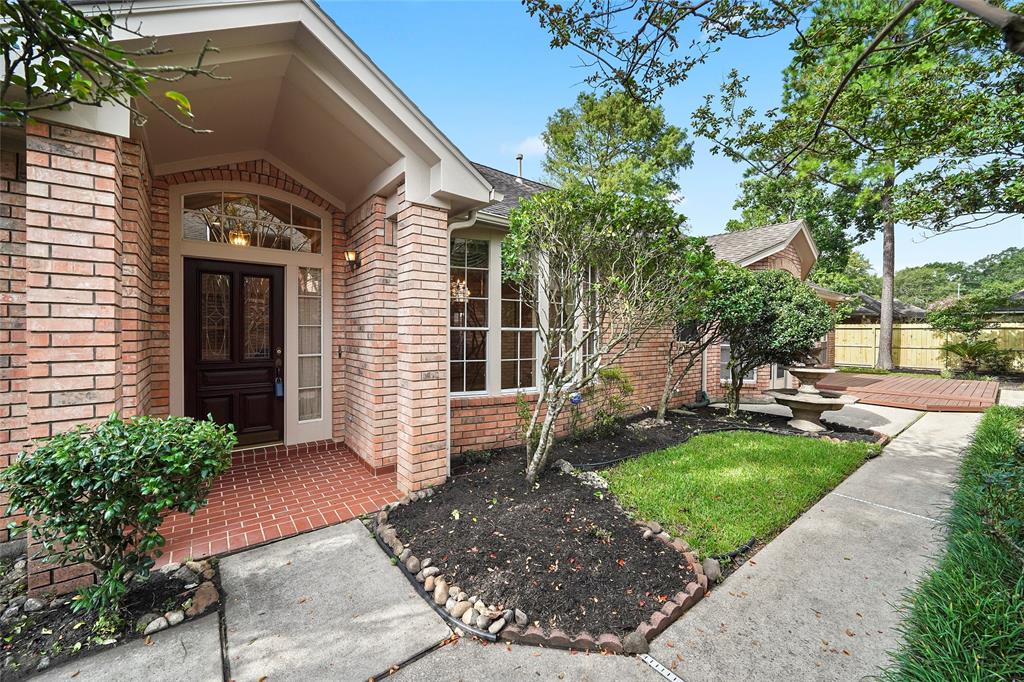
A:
(818, 601)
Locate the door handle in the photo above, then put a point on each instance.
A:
(278, 379)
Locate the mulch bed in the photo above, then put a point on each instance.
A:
(561, 551)
(42, 639)
(643, 435)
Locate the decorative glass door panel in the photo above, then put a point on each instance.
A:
(234, 347)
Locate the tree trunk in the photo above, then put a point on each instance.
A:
(888, 276)
(666, 391)
(735, 386)
(537, 460)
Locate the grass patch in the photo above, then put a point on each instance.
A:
(718, 489)
(965, 619)
(889, 372)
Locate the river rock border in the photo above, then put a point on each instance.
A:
(473, 614)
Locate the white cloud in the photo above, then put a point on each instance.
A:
(532, 146)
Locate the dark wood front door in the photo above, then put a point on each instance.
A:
(234, 347)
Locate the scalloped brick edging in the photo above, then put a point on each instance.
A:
(670, 612)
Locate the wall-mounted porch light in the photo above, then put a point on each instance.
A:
(352, 258)
(239, 236)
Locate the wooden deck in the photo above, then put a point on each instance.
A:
(916, 393)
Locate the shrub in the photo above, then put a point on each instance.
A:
(972, 353)
(965, 620)
(98, 495)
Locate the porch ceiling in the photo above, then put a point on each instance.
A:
(300, 94)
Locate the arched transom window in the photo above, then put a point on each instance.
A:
(244, 219)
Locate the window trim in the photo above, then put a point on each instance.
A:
(492, 383)
(721, 365)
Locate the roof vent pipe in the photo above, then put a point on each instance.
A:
(519, 173)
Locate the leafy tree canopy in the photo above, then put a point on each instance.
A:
(57, 54)
(855, 277)
(613, 143)
(766, 316)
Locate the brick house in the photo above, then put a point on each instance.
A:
(322, 271)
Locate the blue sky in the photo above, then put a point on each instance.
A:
(483, 72)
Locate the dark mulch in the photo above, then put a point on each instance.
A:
(639, 437)
(58, 634)
(561, 551)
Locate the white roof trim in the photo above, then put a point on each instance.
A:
(450, 175)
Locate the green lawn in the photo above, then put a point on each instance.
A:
(965, 620)
(890, 372)
(719, 489)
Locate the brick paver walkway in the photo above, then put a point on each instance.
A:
(916, 393)
(266, 497)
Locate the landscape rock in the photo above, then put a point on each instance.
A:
(44, 663)
(428, 583)
(450, 604)
(712, 569)
(186, 575)
(430, 570)
(564, 466)
(460, 608)
(635, 643)
(413, 564)
(655, 527)
(482, 622)
(197, 567)
(648, 534)
(594, 480)
(205, 597)
(427, 562)
(32, 605)
(9, 614)
(20, 565)
(440, 592)
(144, 620)
(521, 619)
(496, 626)
(208, 574)
(170, 568)
(469, 616)
(156, 625)
(404, 554)
(19, 601)
(382, 517)
(174, 617)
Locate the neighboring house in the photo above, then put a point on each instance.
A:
(322, 271)
(869, 311)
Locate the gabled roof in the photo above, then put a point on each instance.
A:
(872, 307)
(746, 247)
(512, 188)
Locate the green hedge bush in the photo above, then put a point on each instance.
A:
(99, 494)
(965, 620)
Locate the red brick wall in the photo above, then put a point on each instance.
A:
(13, 408)
(143, 345)
(485, 422)
(421, 242)
(366, 322)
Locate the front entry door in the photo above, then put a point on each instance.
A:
(234, 347)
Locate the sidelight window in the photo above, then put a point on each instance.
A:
(310, 384)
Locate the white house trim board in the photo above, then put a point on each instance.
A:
(180, 249)
(437, 173)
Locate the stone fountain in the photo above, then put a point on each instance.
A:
(808, 402)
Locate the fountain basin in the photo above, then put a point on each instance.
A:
(807, 407)
(809, 376)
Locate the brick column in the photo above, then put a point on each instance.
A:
(73, 273)
(422, 438)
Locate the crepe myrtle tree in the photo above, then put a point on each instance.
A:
(766, 316)
(606, 268)
(695, 327)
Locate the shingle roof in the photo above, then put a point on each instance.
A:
(513, 189)
(872, 307)
(740, 246)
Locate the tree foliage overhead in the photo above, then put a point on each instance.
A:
(57, 54)
(857, 276)
(613, 143)
(926, 284)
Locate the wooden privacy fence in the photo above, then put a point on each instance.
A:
(914, 346)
